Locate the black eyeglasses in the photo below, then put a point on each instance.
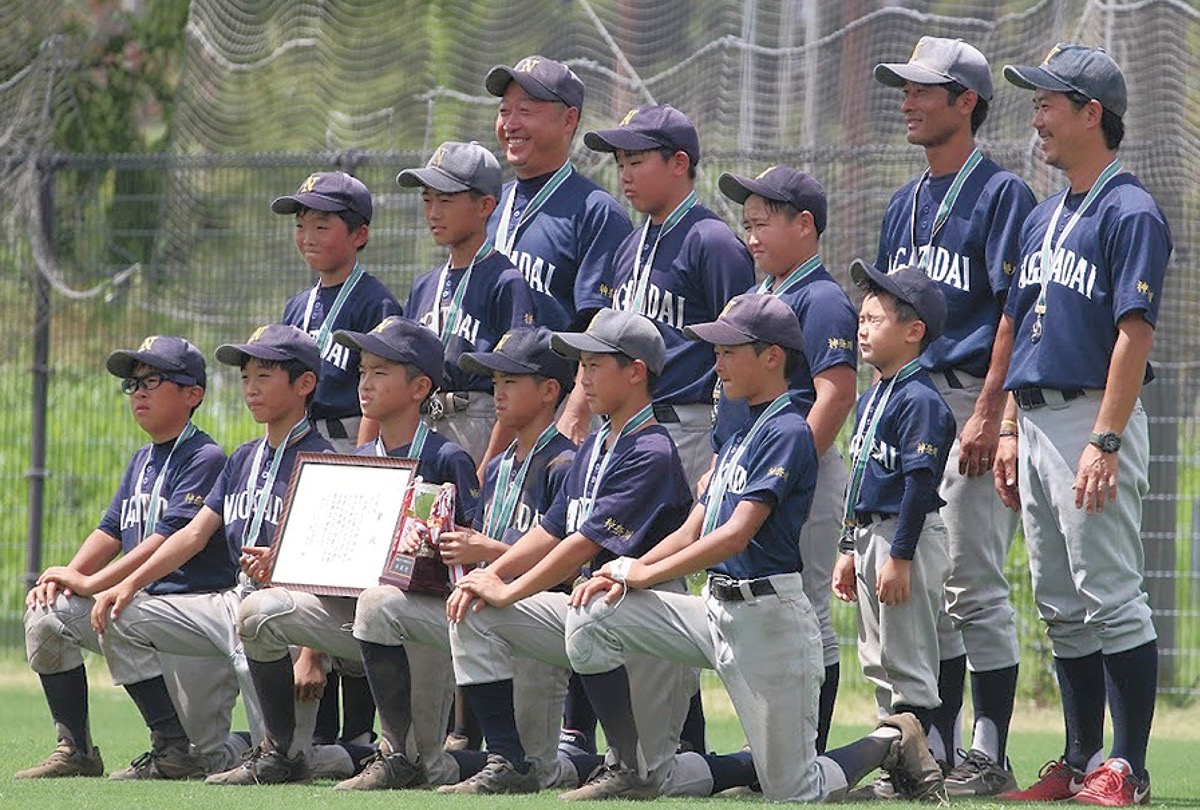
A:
(151, 381)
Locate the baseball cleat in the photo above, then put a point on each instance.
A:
(979, 775)
(386, 770)
(914, 773)
(1114, 785)
(264, 766)
(167, 759)
(1056, 781)
(455, 742)
(879, 790)
(65, 760)
(498, 776)
(613, 782)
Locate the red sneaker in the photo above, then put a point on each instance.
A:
(1056, 781)
(1114, 785)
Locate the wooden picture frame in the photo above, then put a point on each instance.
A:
(339, 522)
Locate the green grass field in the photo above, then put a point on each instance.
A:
(26, 736)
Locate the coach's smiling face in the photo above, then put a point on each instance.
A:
(535, 134)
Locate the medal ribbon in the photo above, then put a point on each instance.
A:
(864, 437)
(415, 447)
(794, 277)
(641, 271)
(720, 481)
(151, 518)
(259, 511)
(507, 492)
(445, 329)
(506, 232)
(640, 418)
(944, 207)
(327, 325)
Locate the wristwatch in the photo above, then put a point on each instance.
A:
(1107, 442)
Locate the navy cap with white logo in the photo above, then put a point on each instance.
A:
(651, 126)
(275, 342)
(751, 318)
(161, 353)
(1076, 68)
(330, 192)
(937, 60)
(616, 332)
(457, 167)
(910, 285)
(541, 78)
(402, 341)
(525, 350)
(782, 184)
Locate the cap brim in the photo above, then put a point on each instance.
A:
(236, 354)
(317, 202)
(122, 362)
(610, 140)
(572, 344)
(861, 272)
(488, 363)
(433, 178)
(739, 188)
(1035, 78)
(718, 334)
(501, 76)
(896, 74)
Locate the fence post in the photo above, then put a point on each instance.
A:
(41, 380)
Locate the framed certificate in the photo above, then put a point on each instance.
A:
(339, 522)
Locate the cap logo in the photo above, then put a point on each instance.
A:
(148, 344)
(917, 50)
(381, 326)
(765, 172)
(1053, 52)
(527, 64)
(438, 157)
(628, 117)
(256, 334)
(500, 343)
(732, 303)
(310, 183)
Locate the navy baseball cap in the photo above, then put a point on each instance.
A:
(616, 332)
(937, 60)
(525, 350)
(275, 342)
(750, 318)
(651, 126)
(541, 78)
(330, 192)
(910, 285)
(163, 353)
(402, 341)
(457, 167)
(782, 184)
(1076, 68)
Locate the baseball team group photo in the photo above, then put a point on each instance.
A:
(662, 472)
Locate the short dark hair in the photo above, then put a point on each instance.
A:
(412, 373)
(1111, 124)
(979, 114)
(563, 390)
(903, 310)
(293, 367)
(668, 153)
(624, 360)
(782, 207)
(791, 357)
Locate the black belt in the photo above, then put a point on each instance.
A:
(1030, 398)
(665, 413)
(867, 518)
(336, 429)
(952, 379)
(724, 589)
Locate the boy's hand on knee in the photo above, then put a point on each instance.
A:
(892, 586)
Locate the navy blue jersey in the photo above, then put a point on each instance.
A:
(442, 462)
(973, 256)
(232, 499)
(642, 498)
(698, 266)
(192, 471)
(829, 326)
(1113, 263)
(545, 479)
(496, 300)
(916, 430)
(778, 467)
(336, 396)
(565, 250)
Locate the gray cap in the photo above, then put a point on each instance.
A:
(274, 342)
(750, 318)
(457, 167)
(1076, 68)
(937, 60)
(616, 332)
(910, 285)
(541, 78)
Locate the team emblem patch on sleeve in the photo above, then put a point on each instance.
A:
(616, 529)
(927, 449)
(1144, 289)
(779, 472)
(193, 499)
(840, 343)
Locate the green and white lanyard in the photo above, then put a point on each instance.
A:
(944, 207)
(636, 421)
(720, 481)
(259, 510)
(507, 492)
(507, 232)
(864, 437)
(344, 293)
(793, 278)
(415, 447)
(1050, 245)
(151, 518)
(642, 270)
(445, 328)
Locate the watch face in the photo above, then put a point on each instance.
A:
(1108, 442)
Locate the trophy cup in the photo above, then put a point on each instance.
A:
(428, 511)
